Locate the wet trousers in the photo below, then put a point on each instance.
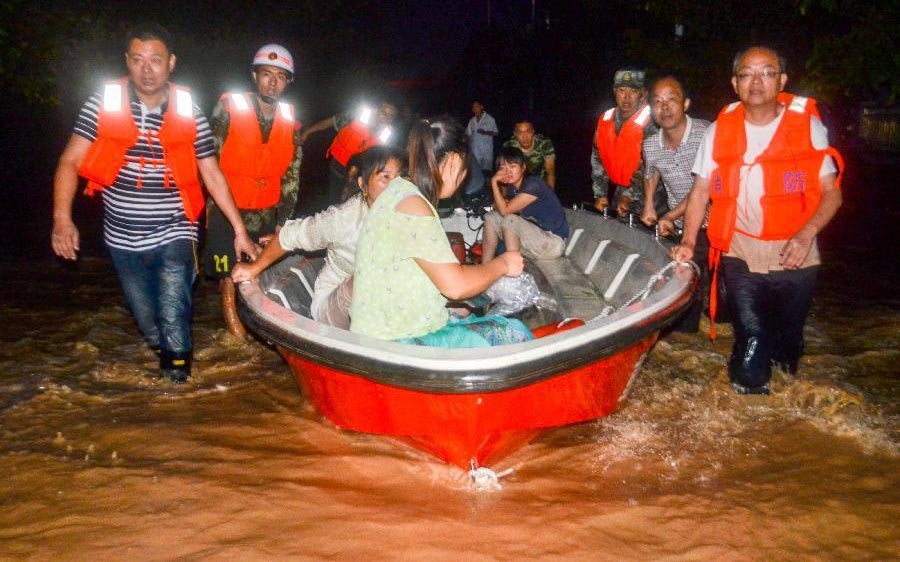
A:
(768, 311)
(534, 242)
(334, 309)
(690, 322)
(157, 284)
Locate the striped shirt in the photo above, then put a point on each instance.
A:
(674, 166)
(140, 213)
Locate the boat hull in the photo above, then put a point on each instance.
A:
(459, 428)
(484, 403)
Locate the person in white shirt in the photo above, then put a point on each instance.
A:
(336, 230)
(481, 131)
(767, 167)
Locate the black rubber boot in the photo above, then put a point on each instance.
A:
(175, 366)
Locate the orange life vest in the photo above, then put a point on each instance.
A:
(351, 140)
(356, 137)
(254, 168)
(117, 132)
(621, 154)
(790, 167)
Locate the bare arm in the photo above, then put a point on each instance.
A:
(648, 217)
(218, 189)
(65, 240)
(667, 221)
(316, 127)
(457, 281)
(506, 206)
(249, 271)
(550, 168)
(693, 218)
(797, 248)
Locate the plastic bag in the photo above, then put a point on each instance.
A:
(513, 294)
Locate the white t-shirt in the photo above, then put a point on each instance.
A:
(482, 146)
(761, 255)
(336, 229)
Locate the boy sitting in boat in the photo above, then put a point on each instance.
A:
(527, 215)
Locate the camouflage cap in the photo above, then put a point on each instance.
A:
(629, 77)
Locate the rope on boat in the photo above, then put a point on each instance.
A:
(485, 478)
(645, 292)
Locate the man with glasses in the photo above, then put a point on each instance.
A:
(768, 169)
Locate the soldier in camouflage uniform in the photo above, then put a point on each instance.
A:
(540, 156)
(272, 71)
(263, 220)
(631, 104)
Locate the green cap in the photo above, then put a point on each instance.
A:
(630, 77)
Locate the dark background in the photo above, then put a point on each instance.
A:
(551, 61)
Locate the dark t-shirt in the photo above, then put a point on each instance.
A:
(545, 211)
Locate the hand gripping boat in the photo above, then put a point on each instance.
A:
(465, 405)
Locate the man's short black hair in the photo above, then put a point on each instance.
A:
(149, 31)
(671, 76)
(741, 54)
(523, 119)
(511, 155)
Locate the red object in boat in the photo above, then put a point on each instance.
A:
(476, 252)
(556, 327)
(458, 245)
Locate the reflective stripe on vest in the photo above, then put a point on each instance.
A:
(285, 110)
(112, 97)
(252, 167)
(117, 133)
(621, 153)
(643, 116)
(184, 105)
(240, 102)
(790, 167)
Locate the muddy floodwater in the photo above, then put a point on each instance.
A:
(102, 461)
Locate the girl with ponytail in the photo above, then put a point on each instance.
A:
(405, 270)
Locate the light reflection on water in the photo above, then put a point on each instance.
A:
(104, 461)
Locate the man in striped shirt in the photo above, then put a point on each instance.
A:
(142, 142)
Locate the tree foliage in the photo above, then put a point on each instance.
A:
(842, 52)
(862, 63)
(29, 41)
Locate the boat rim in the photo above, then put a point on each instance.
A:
(469, 370)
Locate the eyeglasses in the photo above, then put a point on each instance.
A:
(766, 74)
